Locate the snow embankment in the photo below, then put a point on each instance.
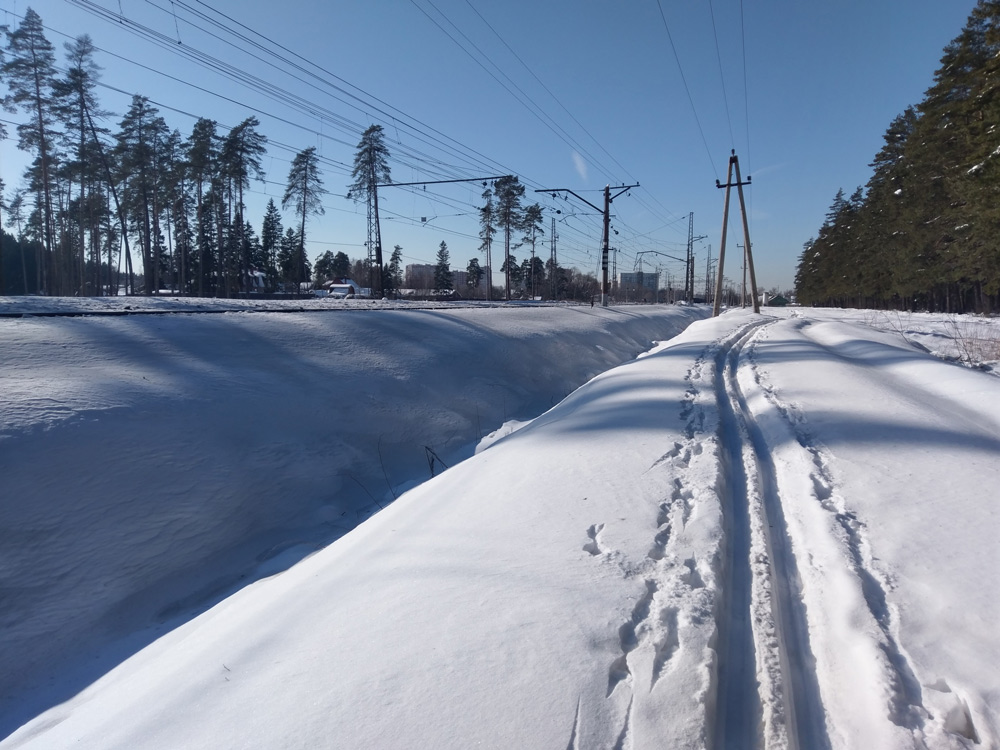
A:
(150, 465)
(554, 590)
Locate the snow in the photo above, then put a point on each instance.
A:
(768, 530)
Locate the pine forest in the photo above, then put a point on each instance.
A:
(924, 232)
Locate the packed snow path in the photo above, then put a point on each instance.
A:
(767, 532)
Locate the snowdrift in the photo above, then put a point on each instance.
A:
(152, 464)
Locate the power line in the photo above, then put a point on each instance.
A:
(687, 90)
(722, 77)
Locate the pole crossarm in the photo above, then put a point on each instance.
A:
(734, 184)
(621, 189)
(657, 252)
(441, 182)
(579, 197)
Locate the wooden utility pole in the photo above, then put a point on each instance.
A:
(734, 164)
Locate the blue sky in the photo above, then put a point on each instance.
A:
(564, 94)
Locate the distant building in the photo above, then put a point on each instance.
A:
(638, 285)
(419, 276)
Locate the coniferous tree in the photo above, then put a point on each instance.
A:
(474, 273)
(394, 270)
(323, 268)
(240, 158)
(138, 136)
(443, 279)
(203, 157)
(923, 233)
(341, 265)
(293, 266)
(488, 228)
(304, 191)
(509, 192)
(29, 71)
(511, 270)
(270, 241)
(77, 107)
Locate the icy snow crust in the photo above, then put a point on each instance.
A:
(769, 531)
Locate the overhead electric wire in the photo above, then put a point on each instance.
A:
(532, 107)
(257, 84)
(687, 90)
(746, 89)
(370, 96)
(550, 93)
(722, 77)
(405, 156)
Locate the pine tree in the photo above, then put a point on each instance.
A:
(77, 107)
(532, 221)
(240, 159)
(29, 72)
(341, 265)
(304, 191)
(509, 192)
(140, 129)
(203, 155)
(394, 276)
(292, 264)
(474, 273)
(443, 280)
(323, 268)
(488, 228)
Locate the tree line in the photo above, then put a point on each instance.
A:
(143, 208)
(924, 232)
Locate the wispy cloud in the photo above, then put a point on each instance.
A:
(580, 165)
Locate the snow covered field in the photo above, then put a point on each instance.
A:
(775, 531)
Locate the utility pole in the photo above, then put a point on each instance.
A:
(615, 282)
(608, 200)
(374, 240)
(554, 267)
(708, 275)
(743, 288)
(734, 164)
(689, 267)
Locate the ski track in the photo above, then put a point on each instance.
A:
(793, 716)
(766, 691)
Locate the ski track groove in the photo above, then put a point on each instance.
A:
(793, 714)
(738, 710)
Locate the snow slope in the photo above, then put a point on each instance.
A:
(770, 531)
(152, 464)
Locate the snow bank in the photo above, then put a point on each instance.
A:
(150, 465)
